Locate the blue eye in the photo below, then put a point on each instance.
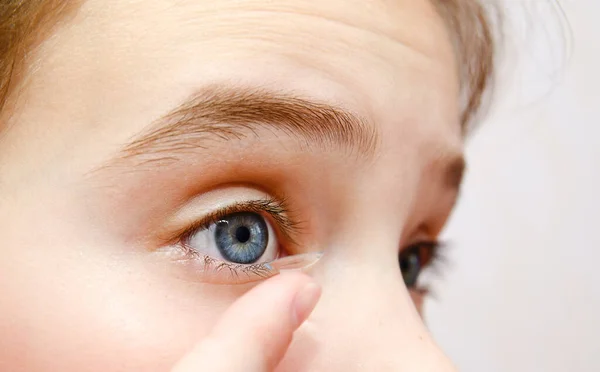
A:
(242, 237)
(238, 237)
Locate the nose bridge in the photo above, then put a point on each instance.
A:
(365, 321)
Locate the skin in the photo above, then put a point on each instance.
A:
(84, 284)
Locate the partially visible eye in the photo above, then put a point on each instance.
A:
(414, 259)
(241, 238)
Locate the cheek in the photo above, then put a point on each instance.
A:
(68, 308)
(418, 299)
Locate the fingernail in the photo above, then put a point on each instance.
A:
(304, 302)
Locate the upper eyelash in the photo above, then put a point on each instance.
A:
(436, 266)
(276, 209)
(438, 256)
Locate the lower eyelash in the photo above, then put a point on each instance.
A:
(215, 266)
(216, 271)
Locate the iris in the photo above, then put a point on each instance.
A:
(242, 237)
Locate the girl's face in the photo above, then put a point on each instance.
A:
(153, 143)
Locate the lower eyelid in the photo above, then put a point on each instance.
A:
(206, 269)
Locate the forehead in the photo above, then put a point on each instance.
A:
(390, 61)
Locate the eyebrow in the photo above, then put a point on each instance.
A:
(233, 113)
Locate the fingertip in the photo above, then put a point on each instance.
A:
(268, 315)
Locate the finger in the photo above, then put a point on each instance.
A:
(256, 330)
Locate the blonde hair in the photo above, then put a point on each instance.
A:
(471, 31)
(23, 23)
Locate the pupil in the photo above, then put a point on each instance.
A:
(242, 234)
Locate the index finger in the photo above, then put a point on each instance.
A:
(255, 332)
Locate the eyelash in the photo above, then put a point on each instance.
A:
(434, 264)
(277, 210)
